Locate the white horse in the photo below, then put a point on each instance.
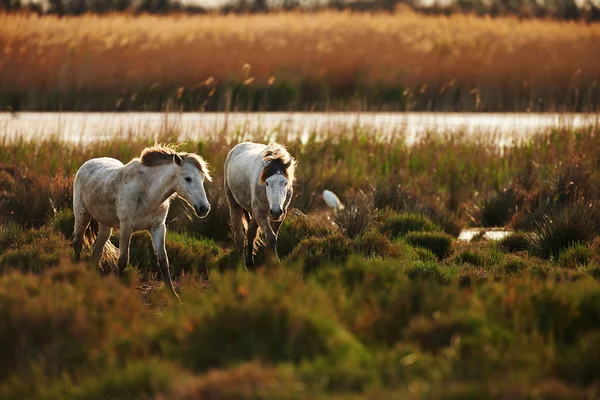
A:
(259, 187)
(136, 197)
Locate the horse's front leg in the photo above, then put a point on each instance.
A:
(124, 241)
(158, 241)
(270, 236)
(252, 229)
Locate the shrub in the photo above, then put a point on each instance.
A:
(516, 241)
(428, 271)
(373, 244)
(32, 250)
(439, 243)
(65, 320)
(468, 276)
(185, 253)
(282, 319)
(137, 379)
(575, 223)
(432, 334)
(298, 227)
(574, 256)
(567, 311)
(397, 225)
(64, 222)
(390, 193)
(579, 363)
(514, 265)
(318, 251)
(188, 254)
(246, 382)
(475, 258)
(405, 363)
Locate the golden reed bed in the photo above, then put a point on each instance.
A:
(424, 53)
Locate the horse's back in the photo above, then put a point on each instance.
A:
(102, 164)
(243, 159)
(242, 169)
(95, 188)
(245, 150)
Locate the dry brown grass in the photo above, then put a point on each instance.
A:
(423, 53)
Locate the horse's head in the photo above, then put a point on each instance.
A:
(277, 188)
(189, 183)
(278, 176)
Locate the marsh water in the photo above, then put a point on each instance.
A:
(89, 127)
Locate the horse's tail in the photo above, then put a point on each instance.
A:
(110, 256)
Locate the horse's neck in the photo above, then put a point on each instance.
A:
(161, 183)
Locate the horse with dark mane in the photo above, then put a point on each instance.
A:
(259, 187)
(136, 197)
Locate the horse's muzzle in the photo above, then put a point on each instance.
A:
(275, 214)
(202, 211)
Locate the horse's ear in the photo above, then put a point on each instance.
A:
(177, 159)
(290, 163)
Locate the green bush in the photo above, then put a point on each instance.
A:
(469, 276)
(439, 243)
(374, 244)
(377, 299)
(474, 258)
(429, 271)
(567, 311)
(575, 256)
(298, 227)
(139, 379)
(315, 252)
(64, 222)
(405, 363)
(31, 250)
(432, 334)
(579, 363)
(65, 320)
(248, 381)
(514, 265)
(185, 253)
(398, 225)
(282, 320)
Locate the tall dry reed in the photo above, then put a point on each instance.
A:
(495, 61)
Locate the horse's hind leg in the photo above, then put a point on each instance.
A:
(82, 220)
(104, 233)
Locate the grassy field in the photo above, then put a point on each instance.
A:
(379, 301)
(296, 61)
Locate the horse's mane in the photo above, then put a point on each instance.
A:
(277, 159)
(160, 154)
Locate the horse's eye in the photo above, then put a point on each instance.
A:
(267, 183)
(188, 179)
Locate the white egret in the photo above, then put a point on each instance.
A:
(332, 200)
